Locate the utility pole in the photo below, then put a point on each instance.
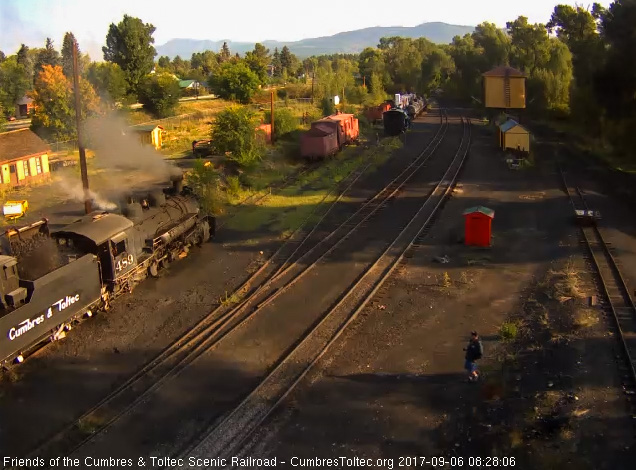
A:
(313, 79)
(80, 140)
(364, 81)
(271, 112)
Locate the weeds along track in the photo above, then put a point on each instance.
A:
(231, 361)
(259, 196)
(227, 436)
(259, 287)
(615, 298)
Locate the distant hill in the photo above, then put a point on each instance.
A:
(347, 42)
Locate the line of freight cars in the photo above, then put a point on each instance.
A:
(50, 280)
(328, 135)
(406, 108)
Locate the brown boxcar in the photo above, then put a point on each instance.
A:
(318, 142)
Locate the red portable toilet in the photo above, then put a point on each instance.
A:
(478, 226)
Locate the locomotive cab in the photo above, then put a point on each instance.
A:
(12, 295)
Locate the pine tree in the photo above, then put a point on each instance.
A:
(67, 54)
(225, 53)
(276, 63)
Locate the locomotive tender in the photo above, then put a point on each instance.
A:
(48, 280)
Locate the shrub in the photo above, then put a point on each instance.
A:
(233, 186)
(284, 122)
(204, 182)
(327, 107)
(508, 331)
(160, 94)
(234, 134)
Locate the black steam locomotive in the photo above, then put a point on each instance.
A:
(51, 279)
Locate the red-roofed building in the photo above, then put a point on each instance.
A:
(24, 158)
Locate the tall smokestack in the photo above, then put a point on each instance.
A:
(80, 140)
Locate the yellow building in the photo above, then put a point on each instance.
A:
(504, 88)
(513, 135)
(24, 158)
(149, 135)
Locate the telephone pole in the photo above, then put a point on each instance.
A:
(80, 140)
(271, 112)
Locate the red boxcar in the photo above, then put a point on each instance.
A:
(318, 142)
(350, 131)
(374, 113)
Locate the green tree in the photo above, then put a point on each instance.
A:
(129, 45)
(159, 93)
(437, 69)
(234, 135)
(371, 61)
(234, 81)
(206, 61)
(47, 56)
(55, 103)
(164, 63)
(494, 43)
(14, 82)
(284, 122)
(25, 58)
(67, 54)
(288, 61)
(2, 57)
(276, 63)
(109, 81)
(225, 53)
(258, 60)
(530, 45)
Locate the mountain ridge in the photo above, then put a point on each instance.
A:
(346, 42)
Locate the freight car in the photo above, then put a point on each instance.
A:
(339, 129)
(374, 113)
(395, 121)
(50, 280)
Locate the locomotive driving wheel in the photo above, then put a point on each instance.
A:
(153, 269)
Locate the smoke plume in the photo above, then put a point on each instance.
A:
(75, 191)
(117, 146)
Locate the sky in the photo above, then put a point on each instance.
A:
(31, 21)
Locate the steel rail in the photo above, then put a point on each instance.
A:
(602, 259)
(232, 430)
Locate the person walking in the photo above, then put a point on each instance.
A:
(474, 352)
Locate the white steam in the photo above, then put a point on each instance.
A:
(74, 190)
(117, 146)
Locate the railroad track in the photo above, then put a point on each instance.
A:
(616, 301)
(226, 437)
(256, 292)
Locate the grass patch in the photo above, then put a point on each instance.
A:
(89, 424)
(286, 210)
(231, 300)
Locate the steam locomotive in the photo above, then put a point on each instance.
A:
(51, 279)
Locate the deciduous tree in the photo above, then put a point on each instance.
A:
(109, 81)
(159, 93)
(234, 134)
(234, 81)
(54, 103)
(129, 45)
